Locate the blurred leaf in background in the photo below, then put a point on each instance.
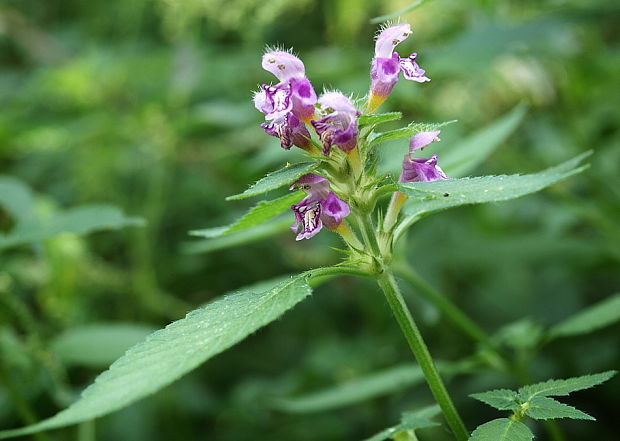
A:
(146, 107)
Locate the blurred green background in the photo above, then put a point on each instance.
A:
(146, 105)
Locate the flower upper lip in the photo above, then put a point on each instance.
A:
(389, 38)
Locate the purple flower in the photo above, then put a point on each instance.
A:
(387, 64)
(274, 101)
(294, 92)
(283, 65)
(303, 97)
(421, 169)
(423, 139)
(339, 126)
(320, 208)
(411, 70)
(287, 103)
(290, 130)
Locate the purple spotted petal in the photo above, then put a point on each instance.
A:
(411, 70)
(308, 217)
(389, 38)
(316, 186)
(384, 75)
(421, 170)
(283, 65)
(274, 101)
(289, 129)
(423, 139)
(303, 98)
(332, 132)
(321, 207)
(334, 211)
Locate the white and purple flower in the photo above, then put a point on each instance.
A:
(294, 92)
(387, 64)
(421, 169)
(320, 208)
(339, 126)
(287, 103)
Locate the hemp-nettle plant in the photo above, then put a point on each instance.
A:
(338, 187)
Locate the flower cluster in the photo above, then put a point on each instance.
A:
(287, 104)
(292, 110)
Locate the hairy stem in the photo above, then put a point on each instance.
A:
(369, 234)
(331, 271)
(411, 332)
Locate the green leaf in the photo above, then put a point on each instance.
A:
(277, 179)
(522, 334)
(16, 198)
(365, 387)
(97, 345)
(563, 387)
(175, 350)
(378, 118)
(502, 429)
(80, 220)
(590, 319)
(353, 391)
(409, 421)
(470, 152)
(405, 132)
(243, 237)
(545, 408)
(257, 215)
(417, 420)
(502, 399)
(427, 197)
(396, 14)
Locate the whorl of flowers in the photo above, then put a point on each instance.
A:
(293, 112)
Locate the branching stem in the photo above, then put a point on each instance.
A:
(471, 329)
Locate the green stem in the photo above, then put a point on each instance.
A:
(470, 328)
(22, 407)
(449, 309)
(332, 271)
(407, 325)
(86, 431)
(368, 234)
(552, 427)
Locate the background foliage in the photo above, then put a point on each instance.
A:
(145, 106)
